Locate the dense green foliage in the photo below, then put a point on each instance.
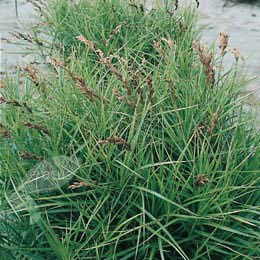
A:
(168, 159)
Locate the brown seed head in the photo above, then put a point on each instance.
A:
(214, 121)
(88, 43)
(223, 42)
(4, 131)
(206, 58)
(78, 184)
(115, 32)
(159, 48)
(201, 180)
(237, 54)
(169, 42)
(117, 141)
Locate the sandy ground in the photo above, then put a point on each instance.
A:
(10, 23)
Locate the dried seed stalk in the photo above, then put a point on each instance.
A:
(82, 86)
(80, 82)
(183, 27)
(159, 48)
(27, 38)
(223, 42)
(136, 76)
(37, 127)
(115, 32)
(88, 43)
(214, 121)
(79, 184)
(199, 130)
(32, 72)
(135, 79)
(123, 60)
(55, 63)
(28, 156)
(4, 131)
(206, 58)
(169, 42)
(22, 36)
(171, 88)
(171, 13)
(2, 84)
(201, 180)
(15, 103)
(117, 141)
(38, 5)
(176, 3)
(123, 98)
(237, 54)
(106, 61)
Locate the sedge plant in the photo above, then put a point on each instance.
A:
(163, 158)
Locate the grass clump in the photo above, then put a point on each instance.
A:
(132, 147)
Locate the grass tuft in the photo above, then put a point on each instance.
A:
(133, 145)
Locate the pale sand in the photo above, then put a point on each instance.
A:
(10, 23)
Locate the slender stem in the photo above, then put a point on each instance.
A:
(16, 8)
